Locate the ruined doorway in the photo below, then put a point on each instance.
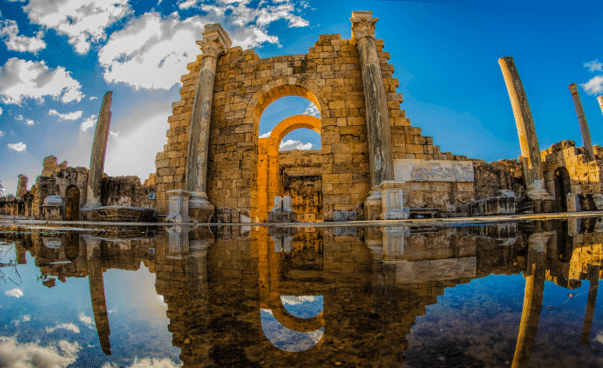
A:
(562, 188)
(72, 206)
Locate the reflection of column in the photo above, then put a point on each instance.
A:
(526, 130)
(215, 43)
(590, 304)
(532, 300)
(377, 116)
(179, 241)
(393, 241)
(97, 156)
(97, 296)
(588, 145)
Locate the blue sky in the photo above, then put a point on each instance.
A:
(57, 61)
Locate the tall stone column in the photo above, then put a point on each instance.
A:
(600, 99)
(526, 130)
(97, 156)
(21, 186)
(214, 44)
(588, 145)
(532, 300)
(377, 116)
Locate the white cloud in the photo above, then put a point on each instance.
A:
(187, 4)
(292, 145)
(19, 147)
(63, 326)
(30, 355)
(114, 135)
(1, 134)
(594, 66)
(1, 111)
(93, 98)
(83, 21)
(87, 320)
(147, 363)
(26, 318)
(312, 110)
(266, 135)
(594, 86)
(17, 293)
(20, 118)
(71, 116)
(295, 300)
(14, 42)
(32, 79)
(88, 123)
(29, 122)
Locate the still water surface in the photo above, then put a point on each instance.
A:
(504, 295)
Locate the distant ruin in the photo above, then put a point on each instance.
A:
(372, 163)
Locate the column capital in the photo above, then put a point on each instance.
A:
(215, 41)
(363, 24)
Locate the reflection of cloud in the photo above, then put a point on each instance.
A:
(294, 300)
(599, 338)
(17, 293)
(147, 363)
(285, 338)
(87, 320)
(312, 110)
(64, 326)
(30, 355)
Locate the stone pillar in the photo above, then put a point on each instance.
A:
(21, 186)
(590, 304)
(526, 130)
(600, 99)
(535, 275)
(588, 145)
(97, 156)
(377, 116)
(214, 44)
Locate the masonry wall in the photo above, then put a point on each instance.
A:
(301, 178)
(329, 76)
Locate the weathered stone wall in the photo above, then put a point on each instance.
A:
(301, 178)
(329, 76)
(126, 191)
(491, 177)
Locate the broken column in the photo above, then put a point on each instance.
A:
(588, 145)
(600, 99)
(21, 186)
(528, 141)
(214, 44)
(377, 116)
(97, 156)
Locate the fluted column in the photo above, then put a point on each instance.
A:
(532, 301)
(214, 44)
(526, 130)
(588, 145)
(97, 156)
(377, 116)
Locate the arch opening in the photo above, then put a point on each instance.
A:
(72, 205)
(563, 187)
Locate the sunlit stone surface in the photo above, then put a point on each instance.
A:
(498, 295)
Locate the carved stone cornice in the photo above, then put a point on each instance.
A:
(215, 41)
(212, 48)
(363, 25)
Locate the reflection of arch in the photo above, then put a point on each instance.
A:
(563, 187)
(269, 184)
(72, 206)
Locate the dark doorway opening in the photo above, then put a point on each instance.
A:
(72, 210)
(563, 187)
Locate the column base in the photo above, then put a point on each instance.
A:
(200, 208)
(178, 202)
(373, 205)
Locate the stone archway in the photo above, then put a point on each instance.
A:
(269, 181)
(563, 187)
(72, 205)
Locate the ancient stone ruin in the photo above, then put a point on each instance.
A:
(372, 163)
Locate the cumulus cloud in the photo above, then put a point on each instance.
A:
(19, 147)
(146, 363)
(63, 326)
(16, 292)
(14, 42)
(26, 318)
(21, 79)
(29, 122)
(86, 320)
(266, 135)
(295, 300)
(292, 145)
(152, 50)
(88, 123)
(71, 116)
(30, 355)
(594, 65)
(83, 21)
(312, 110)
(594, 86)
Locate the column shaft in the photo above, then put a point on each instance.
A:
(588, 146)
(526, 130)
(97, 156)
(600, 99)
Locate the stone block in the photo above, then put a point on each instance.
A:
(573, 203)
(282, 216)
(392, 198)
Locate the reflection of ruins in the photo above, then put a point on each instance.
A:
(374, 282)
